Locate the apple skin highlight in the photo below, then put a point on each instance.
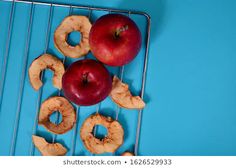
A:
(115, 39)
(86, 82)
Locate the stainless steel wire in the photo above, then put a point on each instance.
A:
(143, 85)
(59, 91)
(121, 75)
(74, 137)
(22, 81)
(6, 55)
(98, 106)
(42, 76)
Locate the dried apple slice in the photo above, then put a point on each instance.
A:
(121, 95)
(68, 25)
(46, 61)
(48, 149)
(67, 111)
(127, 154)
(110, 143)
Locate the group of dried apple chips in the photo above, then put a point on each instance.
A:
(119, 94)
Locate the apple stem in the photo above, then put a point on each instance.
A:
(122, 29)
(85, 78)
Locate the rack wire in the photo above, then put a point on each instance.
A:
(25, 60)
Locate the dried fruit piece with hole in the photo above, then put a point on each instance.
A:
(64, 107)
(46, 61)
(113, 140)
(127, 154)
(68, 25)
(121, 95)
(48, 149)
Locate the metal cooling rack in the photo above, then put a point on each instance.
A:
(90, 9)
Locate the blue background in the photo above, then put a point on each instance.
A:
(191, 79)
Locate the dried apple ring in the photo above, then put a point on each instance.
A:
(64, 107)
(127, 154)
(48, 149)
(43, 62)
(121, 95)
(68, 25)
(110, 143)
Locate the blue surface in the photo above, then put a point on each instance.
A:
(191, 83)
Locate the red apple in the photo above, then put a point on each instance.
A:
(86, 82)
(115, 39)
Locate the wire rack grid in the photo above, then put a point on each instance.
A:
(25, 62)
